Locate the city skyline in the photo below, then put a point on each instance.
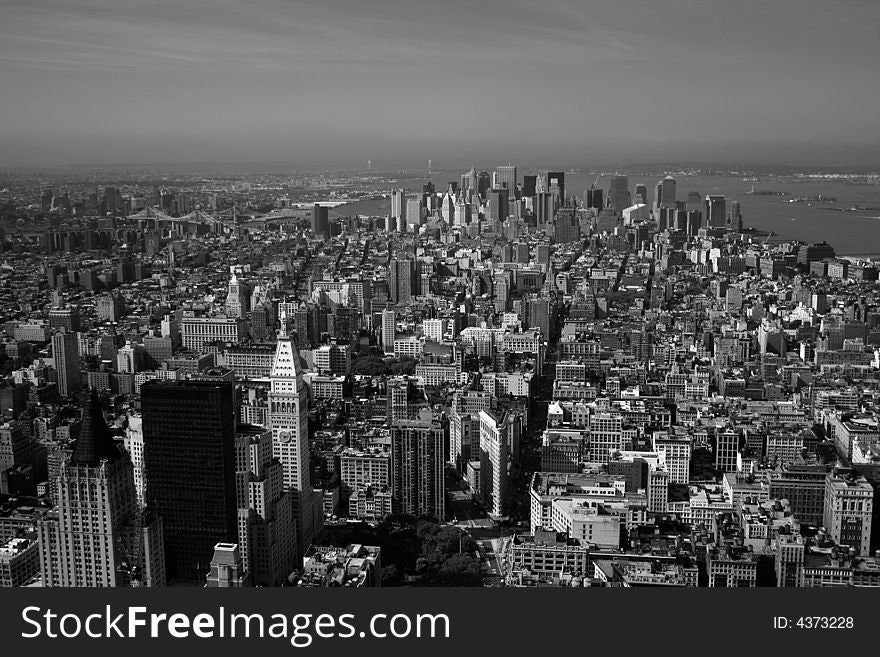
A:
(409, 294)
(500, 380)
(98, 82)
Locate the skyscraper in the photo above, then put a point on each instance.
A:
(618, 193)
(542, 254)
(289, 421)
(97, 536)
(568, 228)
(113, 201)
(17, 449)
(398, 207)
(544, 209)
(428, 192)
(417, 463)
(189, 469)
(594, 197)
(484, 182)
(849, 511)
(505, 177)
(539, 314)
(494, 456)
(462, 212)
(665, 195)
(65, 352)
(389, 330)
(469, 183)
(716, 214)
(498, 204)
(402, 279)
(261, 321)
(734, 217)
(320, 220)
(556, 186)
(128, 358)
(472, 180)
(236, 299)
(310, 323)
(266, 525)
(694, 221)
(413, 215)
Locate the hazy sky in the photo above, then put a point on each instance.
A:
(113, 81)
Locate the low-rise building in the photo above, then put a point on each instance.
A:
(588, 521)
(632, 573)
(355, 565)
(731, 567)
(19, 561)
(547, 552)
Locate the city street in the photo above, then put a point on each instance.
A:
(465, 513)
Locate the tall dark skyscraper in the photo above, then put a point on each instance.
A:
(544, 208)
(498, 204)
(618, 193)
(402, 280)
(680, 221)
(189, 470)
(321, 220)
(484, 182)
(65, 352)
(595, 197)
(716, 211)
(529, 183)
(428, 192)
(417, 466)
(694, 221)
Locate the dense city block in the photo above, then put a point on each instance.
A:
(320, 379)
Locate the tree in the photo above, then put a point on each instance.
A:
(460, 570)
(451, 540)
(390, 575)
(406, 365)
(370, 365)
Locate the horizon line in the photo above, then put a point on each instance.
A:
(405, 165)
